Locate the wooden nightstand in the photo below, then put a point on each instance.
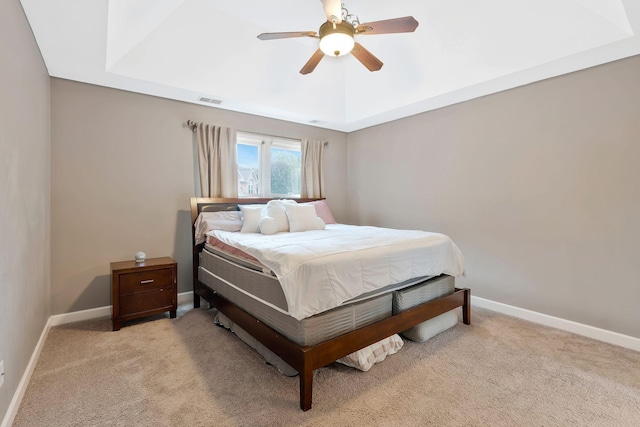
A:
(141, 289)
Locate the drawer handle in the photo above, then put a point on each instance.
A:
(144, 282)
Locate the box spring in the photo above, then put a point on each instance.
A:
(416, 295)
(309, 331)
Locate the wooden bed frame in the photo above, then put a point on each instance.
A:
(306, 359)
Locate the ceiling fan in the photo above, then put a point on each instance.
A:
(337, 35)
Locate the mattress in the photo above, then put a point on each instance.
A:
(415, 295)
(249, 275)
(322, 269)
(311, 330)
(259, 293)
(259, 281)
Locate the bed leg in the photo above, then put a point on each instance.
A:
(196, 300)
(466, 307)
(306, 385)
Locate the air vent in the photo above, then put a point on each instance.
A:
(209, 100)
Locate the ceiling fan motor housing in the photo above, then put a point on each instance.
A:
(343, 27)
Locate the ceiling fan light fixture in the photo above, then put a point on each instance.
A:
(336, 39)
(336, 44)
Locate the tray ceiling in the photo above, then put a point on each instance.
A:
(192, 49)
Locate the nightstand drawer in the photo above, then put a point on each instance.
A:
(145, 280)
(147, 301)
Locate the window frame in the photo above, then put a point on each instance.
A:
(265, 143)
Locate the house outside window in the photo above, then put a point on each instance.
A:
(268, 166)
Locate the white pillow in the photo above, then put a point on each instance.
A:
(365, 358)
(251, 218)
(268, 225)
(275, 217)
(223, 220)
(303, 218)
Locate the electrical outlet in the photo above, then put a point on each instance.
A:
(1, 372)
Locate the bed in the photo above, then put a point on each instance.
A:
(261, 303)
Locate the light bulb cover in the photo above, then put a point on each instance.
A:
(336, 44)
(336, 39)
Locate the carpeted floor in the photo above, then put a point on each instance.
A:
(500, 371)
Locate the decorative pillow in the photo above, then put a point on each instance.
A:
(303, 218)
(322, 210)
(223, 220)
(251, 218)
(365, 358)
(432, 327)
(268, 225)
(275, 217)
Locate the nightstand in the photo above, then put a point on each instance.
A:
(141, 289)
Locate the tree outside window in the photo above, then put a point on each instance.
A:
(268, 166)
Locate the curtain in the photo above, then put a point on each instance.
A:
(217, 161)
(312, 175)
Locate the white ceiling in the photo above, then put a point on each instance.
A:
(462, 49)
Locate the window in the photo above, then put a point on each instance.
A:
(268, 166)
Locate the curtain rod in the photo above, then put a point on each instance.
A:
(194, 126)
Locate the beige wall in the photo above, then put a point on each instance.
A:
(535, 184)
(24, 197)
(122, 170)
(539, 186)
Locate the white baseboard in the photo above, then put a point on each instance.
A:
(102, 312)
(185, 297)
(77, 316)
(610, 337)
(26, 377)
(56, 320)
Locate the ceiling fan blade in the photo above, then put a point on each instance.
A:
(312, 62)
(272, 36)
(406, 24)
(333, 10)
(366, 58)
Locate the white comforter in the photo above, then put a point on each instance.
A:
(321, 269)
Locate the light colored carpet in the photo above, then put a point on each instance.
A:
(500, 371)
